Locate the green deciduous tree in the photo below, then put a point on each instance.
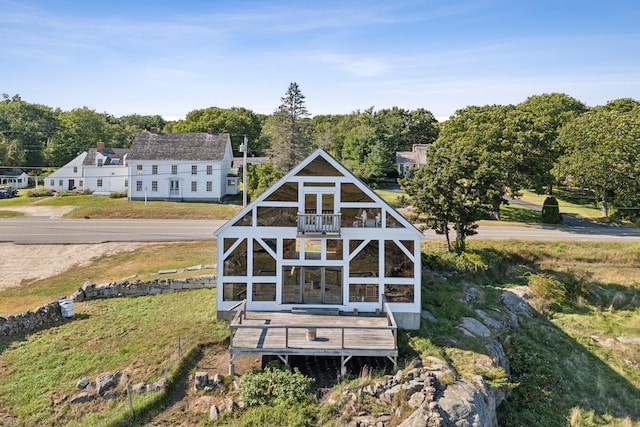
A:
(235, 121)
(79, 130)
(458, 186)
(287, 130)
(24, 131)
(603, 154)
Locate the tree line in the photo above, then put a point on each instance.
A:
(474, 158)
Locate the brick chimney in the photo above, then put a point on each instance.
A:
(154, 129)
(99, 146)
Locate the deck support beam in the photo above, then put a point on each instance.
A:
(285, 359)
(343, 364)
(231, 359)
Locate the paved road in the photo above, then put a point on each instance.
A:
(39, 230)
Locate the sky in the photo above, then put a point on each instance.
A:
(172, 57)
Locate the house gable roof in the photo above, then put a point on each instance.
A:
(179, 146)
(319, 163)
(115, 156)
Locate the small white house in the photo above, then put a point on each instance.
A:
(181, 167)
(14, 179)
(99, 170)
(320, 238)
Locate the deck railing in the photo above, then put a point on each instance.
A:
(319, 223)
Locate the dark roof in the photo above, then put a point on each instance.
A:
(115, 156)
(9, 174)
(179, 146)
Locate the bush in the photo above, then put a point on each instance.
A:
(282, 414)
(551, 211)
(118, 194)
(275, 384)
(40, 192)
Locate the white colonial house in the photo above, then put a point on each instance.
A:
(320, 239)
(181, 166)
(99, 170)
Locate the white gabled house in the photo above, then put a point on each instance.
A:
(320, 239)
(181, 166)
(14, 179)
(99, 170)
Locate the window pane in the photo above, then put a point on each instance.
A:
(396, 262)
(334, 249)
(277, 216)
(288, 192)
(263, 263)
(290, 249)
(393, 222)
(236, 263)
(319, 167)
(398, 293)
(351, 193)
(291, 293)
(312, 249)
(365, 264)
(245, 221)
(363, 292)
(354, 217)
(264, 292)
(234, 291)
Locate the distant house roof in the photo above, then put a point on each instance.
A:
(115, 156)
(10, 174)
(416, 156)
(178, 146)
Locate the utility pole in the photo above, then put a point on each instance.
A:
(243, 150)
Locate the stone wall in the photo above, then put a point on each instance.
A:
(139, 288)
(50, 314)
(29, 321)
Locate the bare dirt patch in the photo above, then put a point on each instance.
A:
(33, 262)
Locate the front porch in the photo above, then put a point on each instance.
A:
(285, 334)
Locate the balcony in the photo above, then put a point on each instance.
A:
(319, 224)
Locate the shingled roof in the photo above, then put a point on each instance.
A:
(115, 156)
(178, 146)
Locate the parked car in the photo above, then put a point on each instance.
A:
(8, 192)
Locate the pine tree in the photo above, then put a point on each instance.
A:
(287, 129)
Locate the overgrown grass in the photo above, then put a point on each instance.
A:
(561, 375)
(143, 263)
(136, 335)
(10, 214)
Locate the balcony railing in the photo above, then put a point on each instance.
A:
(316, 223)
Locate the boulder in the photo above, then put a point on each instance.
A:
(516, 304)
(466, 406)
(474, 328)
(83, 383)
(105, 382)
(489, 321)
(83, 397)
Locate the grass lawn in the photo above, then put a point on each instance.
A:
(144, 263)
(569, 201)
(138, 336)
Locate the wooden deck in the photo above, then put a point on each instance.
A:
(285, 334)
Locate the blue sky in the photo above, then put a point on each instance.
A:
(171, 57)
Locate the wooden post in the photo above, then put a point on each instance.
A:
(129, 398)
